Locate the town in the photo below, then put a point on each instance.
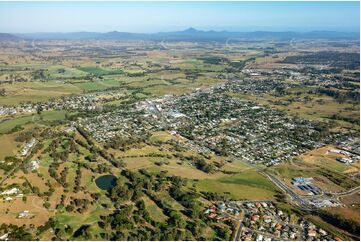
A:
(185, 135)
(215, 123)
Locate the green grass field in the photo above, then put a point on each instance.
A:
(36, 91)
(58, 71)
(161, 136)
(96, 85)
(245, 185)
(287, 171)
(6, 126)
(100, 71)
(154, 211)
(249, 178)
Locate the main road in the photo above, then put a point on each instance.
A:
(303, 204)
(299, 201)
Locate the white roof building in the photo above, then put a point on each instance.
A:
(11, 191)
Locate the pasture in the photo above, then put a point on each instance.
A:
(100, 71)
(245, 185)
(8, 125)
(18, 93)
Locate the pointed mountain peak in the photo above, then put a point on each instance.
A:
(191, 30)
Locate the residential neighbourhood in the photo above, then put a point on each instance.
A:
(263, 221)
(205, 119)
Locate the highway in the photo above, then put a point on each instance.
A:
(300, 202)
(303, 201)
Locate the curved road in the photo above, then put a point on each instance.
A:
(303, 204)
(349, 192)
(300, 202)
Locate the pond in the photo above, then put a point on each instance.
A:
(106, 182)
(81, 230)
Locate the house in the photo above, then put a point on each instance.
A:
(4, 237)
(173, 132)
(259, 237)
(249, 205)
(278, 226)
(212, 215)
(264, 204)
(247, 238)
(34, 165)
(222, 206)
(311, 233)
(23, 214)
(207, 211)
(210, 210)
(286, 228)
(28, 147)
(255, 217)
(229, 210)
(11, 191)
(267, 219)
(213, 208)
(345, 160)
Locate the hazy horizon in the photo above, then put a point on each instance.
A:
(184, 29)
(153, 17)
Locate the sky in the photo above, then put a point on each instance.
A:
(28, 17)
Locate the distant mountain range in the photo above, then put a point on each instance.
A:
(4, 36)
(191, 35)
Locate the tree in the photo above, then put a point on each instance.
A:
(176, 220)
(46, 205)
(39, 109)
(2, 92)
(69, 208)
